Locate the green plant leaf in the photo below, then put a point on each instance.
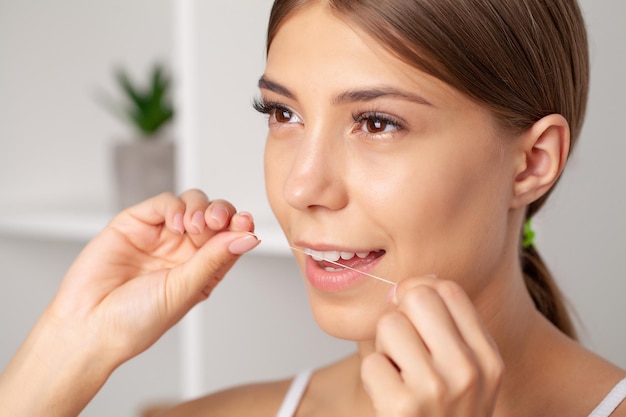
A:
(148, 108)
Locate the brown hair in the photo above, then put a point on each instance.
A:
(522, 59)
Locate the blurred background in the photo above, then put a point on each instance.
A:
(57, 184)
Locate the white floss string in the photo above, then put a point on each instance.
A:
(346, 267)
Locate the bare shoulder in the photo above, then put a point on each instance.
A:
(620, 393)
(262, 400)
(620, 411)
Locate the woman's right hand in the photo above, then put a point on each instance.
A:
(150, 265)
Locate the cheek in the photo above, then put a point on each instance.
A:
(449, 219)
(276, 170)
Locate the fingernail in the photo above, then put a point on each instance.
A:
(178, 224)
(391, 296)
(248, 215)
(198, 221)
(219, 214)
(244, 244)
(242, 220)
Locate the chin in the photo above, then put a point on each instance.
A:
(354, 320)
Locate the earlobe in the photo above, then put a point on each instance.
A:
(545, 147)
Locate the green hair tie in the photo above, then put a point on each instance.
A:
(529, 235)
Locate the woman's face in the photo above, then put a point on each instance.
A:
(366, 155)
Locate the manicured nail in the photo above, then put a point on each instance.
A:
(219, 214)
(198, 221)
(178, 224)
(248, 215)
(391, 296)
(244, 244)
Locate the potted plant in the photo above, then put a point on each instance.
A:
(145, 165)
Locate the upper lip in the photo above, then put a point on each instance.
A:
(329, 247)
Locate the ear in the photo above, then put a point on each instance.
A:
(543, 154)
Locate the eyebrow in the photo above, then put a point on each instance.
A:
(349, 96)
(268, 84)
(378, 92)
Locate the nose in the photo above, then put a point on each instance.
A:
(316, 177)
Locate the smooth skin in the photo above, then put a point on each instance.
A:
(134, 281)
(366, 153)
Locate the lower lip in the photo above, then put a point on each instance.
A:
(336, 281)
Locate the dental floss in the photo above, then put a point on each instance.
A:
(347, 267)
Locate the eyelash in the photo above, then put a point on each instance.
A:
(270, 107)
(263, 106)
(360, 118)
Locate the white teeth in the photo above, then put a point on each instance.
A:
(334, 255)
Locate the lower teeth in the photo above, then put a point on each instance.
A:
(331, 269)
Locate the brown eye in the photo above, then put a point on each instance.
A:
(282, 115)
(278, 113)
(376, 125)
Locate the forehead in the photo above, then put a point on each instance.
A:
(316, 47)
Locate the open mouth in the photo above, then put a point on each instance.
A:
(336, 261)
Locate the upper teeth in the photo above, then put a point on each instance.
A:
(333, 255)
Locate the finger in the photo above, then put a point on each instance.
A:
(472, 330)
(242, 222)
(452, 330)
(476, 368)
(429, 315)
(165, 209)
(463, 312)
(397, 338)
(218, 214)
(381, 380)
(194, 280)
(407, 348)
(196, 203)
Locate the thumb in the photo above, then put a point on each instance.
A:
(194, 280)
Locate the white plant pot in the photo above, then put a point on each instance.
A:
(143, 169)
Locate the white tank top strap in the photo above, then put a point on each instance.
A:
(611, 401)
(294, 395)
(301, 382)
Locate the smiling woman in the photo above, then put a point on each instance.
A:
(409, 141)
(511, 71)
(426, 138)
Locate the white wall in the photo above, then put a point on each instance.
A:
(54, 142)
(232, 58)
(56, 57)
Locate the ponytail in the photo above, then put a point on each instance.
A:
(543, 289)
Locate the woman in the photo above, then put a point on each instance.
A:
(411, 140)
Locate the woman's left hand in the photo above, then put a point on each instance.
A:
(433, 355)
